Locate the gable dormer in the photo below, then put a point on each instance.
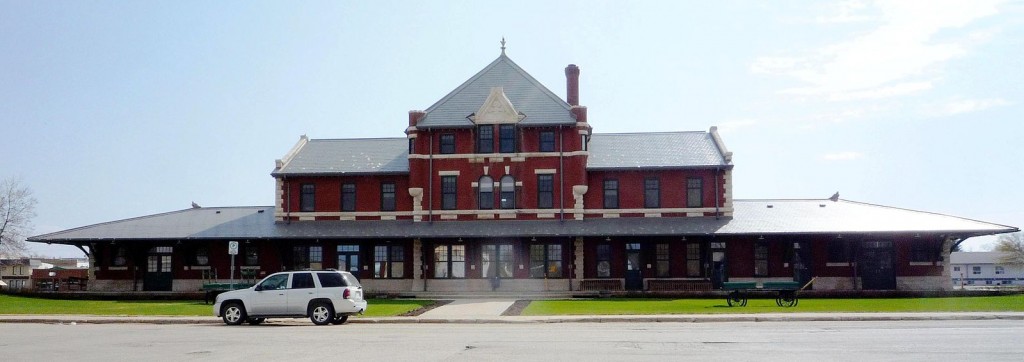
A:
(519, 99)
(497, 109)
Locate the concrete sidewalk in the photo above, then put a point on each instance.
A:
(490, 310)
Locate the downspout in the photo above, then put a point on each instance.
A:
(430, 182)
(561, 177)
(718, 188)
(287, 201)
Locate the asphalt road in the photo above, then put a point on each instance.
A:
(988, 340)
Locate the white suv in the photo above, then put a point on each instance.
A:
(325, 296)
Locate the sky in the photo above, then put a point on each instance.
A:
(113, 110)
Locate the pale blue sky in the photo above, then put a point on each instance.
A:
(112, 110)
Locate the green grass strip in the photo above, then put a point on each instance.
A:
(630, 306)
(10, 304)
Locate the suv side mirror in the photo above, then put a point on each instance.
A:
(259, 287)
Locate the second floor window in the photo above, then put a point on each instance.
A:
(694, 192)
(485, 197)
(508, 192)
(306, 202)
(348, 197)
(507, 138)
(652, 193)
(447, 143)
(448, 193)
(611, 194)
(387, 196)
(485, 139)
(545, 191)
(547, 141)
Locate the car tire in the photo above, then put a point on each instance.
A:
(233, 313)
(341, 319)
(321, 313)
(256, 321)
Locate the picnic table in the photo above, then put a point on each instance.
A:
(785, 291)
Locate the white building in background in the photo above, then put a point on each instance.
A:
(983, 269)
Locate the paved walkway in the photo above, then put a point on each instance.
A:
(469, 309)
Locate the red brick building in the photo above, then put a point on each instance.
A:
(502, 185)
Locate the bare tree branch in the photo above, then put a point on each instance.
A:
(17, 208)
(1012, 248)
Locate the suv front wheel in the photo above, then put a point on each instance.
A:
(321, 313)
(233, 314)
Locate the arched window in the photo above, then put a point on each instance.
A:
(508, 192)
(485, 195)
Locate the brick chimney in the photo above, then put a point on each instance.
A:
(414, 116)
(572, 85)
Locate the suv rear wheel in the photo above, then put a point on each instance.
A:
(341, 319)
(321, 313)
(233, 314)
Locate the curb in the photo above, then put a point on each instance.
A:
(82, 319)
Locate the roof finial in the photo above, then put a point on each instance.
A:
(502, 45)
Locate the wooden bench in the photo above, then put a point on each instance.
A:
(658, 285)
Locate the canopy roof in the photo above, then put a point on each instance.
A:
(751, 217)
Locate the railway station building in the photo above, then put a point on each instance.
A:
(503, 186)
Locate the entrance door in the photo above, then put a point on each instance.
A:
(634, 276)
(875, 266)
(802, 262)
(158, 276)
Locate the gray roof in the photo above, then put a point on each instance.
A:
(349, 156)
(975, 257)
(751, 217)
(528, 96)
(654, 150)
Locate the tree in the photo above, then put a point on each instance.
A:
(17, 208)
(1012, 247)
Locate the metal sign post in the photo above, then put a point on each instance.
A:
(233, 250)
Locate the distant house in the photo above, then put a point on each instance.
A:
(502, 185)
(983, 269)
(18, 273)
(60, 279)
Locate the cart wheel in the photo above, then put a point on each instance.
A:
(778, 301)
(735, 298)
(787, 299)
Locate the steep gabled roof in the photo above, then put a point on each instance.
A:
(630, 151)
(352, 156)
(540, 105)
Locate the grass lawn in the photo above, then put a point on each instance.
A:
(1012, 303)
(10, 304)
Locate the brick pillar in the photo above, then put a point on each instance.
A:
(417, 266)
(578, 262)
